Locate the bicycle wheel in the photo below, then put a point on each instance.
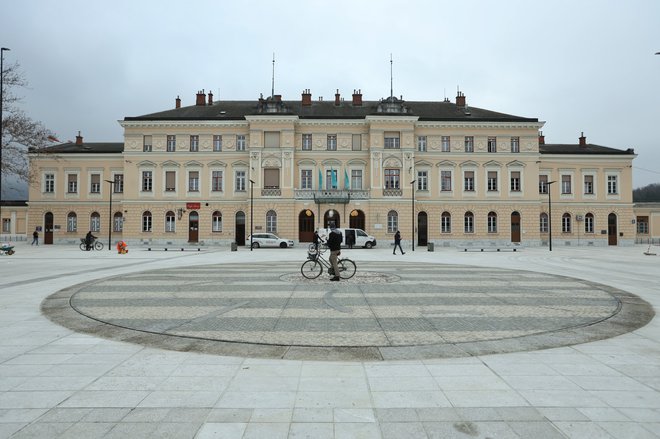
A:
(347, 268)
(83, 247)
(98, 245)
(311, 269)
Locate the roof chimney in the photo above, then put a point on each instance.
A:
(278, 98)
(79, 139)
(460, 100)
(201, 97)
(583, 140)
(210, 98)
(357, 98)
(337, 98)
(541, 138)
(177, 102)
(306, 98)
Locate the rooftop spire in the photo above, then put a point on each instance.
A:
(272, 92)
(391, 78)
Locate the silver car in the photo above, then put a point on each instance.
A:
(268, 240)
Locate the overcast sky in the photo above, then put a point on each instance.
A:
(580, 66)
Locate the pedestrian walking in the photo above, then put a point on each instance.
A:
(35, 238)
(397, 243)
(334, 244)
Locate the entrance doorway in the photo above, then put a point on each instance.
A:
(515, 227)
(356, 219)
(611, 229)
(48, 228)
(331, 219)
(306, 226)
(240, 228)
(193, 227)
(422, 228)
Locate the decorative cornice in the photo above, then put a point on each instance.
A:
(183, 123)
(478, 124)
(391, 119)
(271, 118)
(331, 122)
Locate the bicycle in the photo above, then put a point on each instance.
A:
(96, 245)
(313, 266)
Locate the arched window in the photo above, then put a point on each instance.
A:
(392, 221)
(146, 221)
(492, 222)
(170, 222)
(589, 223)
(566, 223)
(445, 222)
(468, 222)
(271, 221)
(95, 222)
(217, 221)
(543, 223)
(72, 222)
(118, 222)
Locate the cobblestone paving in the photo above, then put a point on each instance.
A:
(386, 311)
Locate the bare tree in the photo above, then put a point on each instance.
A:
(19, 132)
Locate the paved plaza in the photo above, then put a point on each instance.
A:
(221, 344)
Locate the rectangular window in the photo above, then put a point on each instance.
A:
(170, 222)
(146, 144)
(170, 181)
(356, 179)
(95, 185)
(49, 183)
(6, 225)
(240, 181)
(391, 140)
(612, 186)
(193, 181)
(421, 143)
(147, 181)
(543, 184)
(468, 224)
(565, 184)
(72, 185)
(445, 223)
(146, 223)
(469, 144)
(171, 143)
(331, 179)
(445, 144)
(492, 181)
(492, 144)
(217, 222)
(216, 181)
(392, 179)
(543, 223)
(71, 223)
(468, 181)
(240, 143)
(272, 178)
(566, 223)
(332, 142)
(588, 184)
(217, 143)
(515, 181)
(194, 143)
(515, 144)
(305, 179)
(357, 142)
(642, 225)
(118, 223)
(119, 183)
(306, 142)
(445, 181)
(272, 139)
(422, 180)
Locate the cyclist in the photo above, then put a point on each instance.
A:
(334, 244)
(89, 240)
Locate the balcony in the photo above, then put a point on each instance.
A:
(331, 195)
(392, 192)
(271, 192)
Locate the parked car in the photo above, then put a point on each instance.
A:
(268, 240)
(359, 237)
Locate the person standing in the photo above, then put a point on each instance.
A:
(35, 238)
(397, 243)
(334, 244)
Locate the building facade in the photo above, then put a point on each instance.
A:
(439, 172)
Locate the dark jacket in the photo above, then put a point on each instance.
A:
(397, 237)
(334, 241)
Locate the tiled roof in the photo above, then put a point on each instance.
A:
(85, 147)
(589, 148)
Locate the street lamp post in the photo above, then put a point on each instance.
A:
(550, 214)
(112, 188)
(412, 183)
(2, 75)
(251, 212)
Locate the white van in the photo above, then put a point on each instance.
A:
(359, 237)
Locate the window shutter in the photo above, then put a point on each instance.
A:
(271, 178)
(272, 139)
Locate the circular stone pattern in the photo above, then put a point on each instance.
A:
(387, 311)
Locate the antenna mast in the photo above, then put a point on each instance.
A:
(391, 78)
(272, 92)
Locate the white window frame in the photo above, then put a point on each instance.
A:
(213, 180)
(217, 142)
(49, 183)
(216, 225)
(473, 188)
(241, 142)
(271, 221)
(193, 184)
(307, 142)
(492, 222)
(445, 222)
(194, 143)
(331, 142)
(469, 143)
(392, 181)
(589, 222)
(393, 141)
(118, 186)
(306, 179)
(445, 143)
(72, 190)
(492, 144)
(446, 181)
(468, 222)
(492, 185)
(240, 180)
(71, 222)
(392, 221)
(515, 144)
(422, 180)
(170, 222)
(171, 143)
(147, 221)
(95, 222)
(422, 143)
(357, 175)
(543, 222)
(566, 222)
